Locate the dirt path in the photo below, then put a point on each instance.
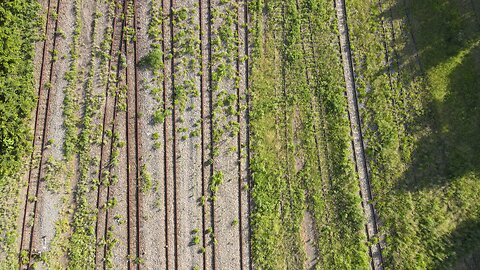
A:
(357, 140)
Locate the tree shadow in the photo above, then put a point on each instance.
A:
(451, 147)
(464, 240)
(443, 55)
(444, 49)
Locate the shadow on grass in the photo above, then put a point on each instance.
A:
(464, 240)
(445, 50)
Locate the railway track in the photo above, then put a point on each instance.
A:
(134, 196)
(247, 129)
(139, 186)
(308, 49)
(116, 121)
(243, 199)
(285, 98)
(203, 66)
(128, 116)
(169, 133)
(228, 200)
(211, 126)
(109, 114)
(357, 138)
(39, 140)
(174, 138)
(165, 137)
(244, 183)
(127, 122)
(318, 131)
(323, 127)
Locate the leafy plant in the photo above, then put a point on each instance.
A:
(153, 60)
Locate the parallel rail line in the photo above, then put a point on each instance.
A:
(239, 141)
(165, 140)
(315, 128)
(210, 92)
(174, 138)
(247, 118)
(43, 138)
(133, 185)
(358, 148)
(103, 159)
(139, 198)
(202, 127)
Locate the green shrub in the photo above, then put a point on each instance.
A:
(153, 60)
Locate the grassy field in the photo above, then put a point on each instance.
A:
(417, 65)
(300, 140)
(419, 91)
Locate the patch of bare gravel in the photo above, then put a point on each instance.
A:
(152, 156)
(188, 141)
(226, 205)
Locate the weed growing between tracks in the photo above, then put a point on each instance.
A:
(154, 61)
(81, 250)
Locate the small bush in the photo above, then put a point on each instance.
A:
(153, 60)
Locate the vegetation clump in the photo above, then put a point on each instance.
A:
(153, 60)
(19, 30)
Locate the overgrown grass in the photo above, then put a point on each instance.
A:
(19, 29)
(301, 143)
(419, 120)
